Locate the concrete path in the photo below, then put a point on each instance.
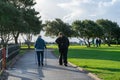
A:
(26, 69)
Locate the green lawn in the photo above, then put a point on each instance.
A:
(103, 61)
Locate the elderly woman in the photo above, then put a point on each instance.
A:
(39, 48)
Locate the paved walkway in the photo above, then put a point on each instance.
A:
(26, 69)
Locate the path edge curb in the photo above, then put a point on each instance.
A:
(93, 76)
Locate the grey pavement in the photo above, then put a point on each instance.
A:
(26, 69)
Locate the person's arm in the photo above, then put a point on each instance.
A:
(35, 45)
(68, 42)
(45, 45)
(57, 41)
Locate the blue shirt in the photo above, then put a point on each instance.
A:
(40, 44)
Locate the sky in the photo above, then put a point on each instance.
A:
(71, 10)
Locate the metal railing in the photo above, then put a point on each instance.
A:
(12, 51)
(0, 60)
(8, 54)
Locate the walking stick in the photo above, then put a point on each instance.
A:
(45, 52)
(35, 57)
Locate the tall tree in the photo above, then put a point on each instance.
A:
(26, 21)
(116, 32)
(108, 28)
(7, 12)
(86, 29)
(34, 24)
(78, 29)
(54, 27)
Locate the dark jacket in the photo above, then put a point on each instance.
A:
(40, 43)
(62, 42)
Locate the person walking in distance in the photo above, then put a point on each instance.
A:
(63, 44)
(39, 48)
(99, 42)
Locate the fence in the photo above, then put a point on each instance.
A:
(12, 51)
(7, 55)
(0, 60)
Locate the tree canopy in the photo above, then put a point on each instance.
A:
(18, 16)
(52, 28)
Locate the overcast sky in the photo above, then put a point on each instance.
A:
(70, 10)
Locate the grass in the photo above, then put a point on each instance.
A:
(103, 61)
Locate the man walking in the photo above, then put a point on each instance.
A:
(63, 44)
(39, 48)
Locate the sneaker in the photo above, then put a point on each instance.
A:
(65, 65)
(60, 64)
(38, 64)
(42, 64)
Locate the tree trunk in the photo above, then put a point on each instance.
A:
(28, 46)
(16, 40)
(16, 35)
(88, 45)
(108, 43)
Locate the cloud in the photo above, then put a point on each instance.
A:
(70, 10)
(111, 10)
(79, 9)
(107, 4)
(49, 9)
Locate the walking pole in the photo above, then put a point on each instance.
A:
(35, 57)
(45, 52)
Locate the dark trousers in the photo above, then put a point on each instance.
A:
(63, 56)
(40, 57)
